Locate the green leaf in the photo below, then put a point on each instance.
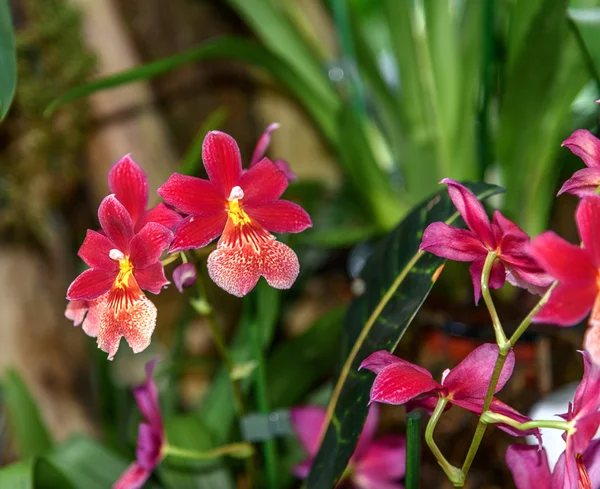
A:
(47, 475)
(398, 278)
(17, 476)
(28, 428)
(8, 59)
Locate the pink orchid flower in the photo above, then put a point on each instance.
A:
(577, 269)
(242, 207)
(261, 148)
(530, 469)
(375, 464)
(400, 382)
(587, 146)
(122, 262)
(151, 435)
(129, 184)
(502, 236)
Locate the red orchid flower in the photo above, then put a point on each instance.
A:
(400, 382)
(375, 464)
(587, 146)
(122, 262)
(577, 269)
(502, 236)
(242, 207)
(261, 149)
(128, 182)
(530, 468)
(151, 435)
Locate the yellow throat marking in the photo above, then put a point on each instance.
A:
(237, 214)
(125, 271)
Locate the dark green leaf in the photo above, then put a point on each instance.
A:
(8, 60)
(28, 428)
(48, 476)
(17, 476)
(397, 280)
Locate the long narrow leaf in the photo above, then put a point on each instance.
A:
(17, 476)
(8, 60)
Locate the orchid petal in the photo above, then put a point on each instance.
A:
(591, 460)
(384, 459)
(133, 478)
(222, 160)
(149, 445)
(92, 320)
(586, 427)
(235, 269)
(95, 251)
(308, 423)
(452, 243)
(587, 395)
(471, 210)
(496, 279)
(507, 227)
(147, 245)
(193, 195)
(472, 376)
(559, 475)
(278, 264)
(129, 183)
(588, 217)
(263, 144)
(585, 145)
(285, 167)
(377, 361)
(116, 223)
(583, 182)
(529, 467)
(151, 278)
(262, 184)
(568, 304)
(160, 214)
(281, 216)
(197, 231)
(303, 469)
(76, 311)
(591, 342)
(368, 432)
(91, 284)
(397, 384)
(184, 276)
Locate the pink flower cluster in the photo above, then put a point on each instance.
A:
(241, 206)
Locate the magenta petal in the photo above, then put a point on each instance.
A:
(184, 276)
(586, 428)
(496, 279)
(506, 226)
(160, 214)
(568, 304)
(302, 470)
(91, 284)
(151, 278)
(583, 182)
(147, 245)
(280, 216)
(130, 185)
(377, 361)
(529, 467)
(262, 184)
(585, 145)
(222, 161)
(95, 251)
(307, 422)
(591, 460)
(263, 144)
(193, 195)
(452, 243)
(384, 459)
(116, 223)
(146, 397)
(133, 478)
(197, 231)
(149, 446)
(285, 167)
(588, 218)
(364, 482)
(472, 376)
(587, 395)
(471, 210)
(368, 432)
(397, 384)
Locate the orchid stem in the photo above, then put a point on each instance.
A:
(485, 292)
(495, 418)
(453, 473)
(237, 450)
(527, 321)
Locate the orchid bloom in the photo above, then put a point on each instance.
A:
(242, 207)
(151, 435)
(577, 269)
(400, 382)
(587, 146)
(129, 184)
(375, 464)
(501, 236)
(261, 149)
(530, 468)
(122, 262)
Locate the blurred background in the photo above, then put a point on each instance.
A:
(377, 101)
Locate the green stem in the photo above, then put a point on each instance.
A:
(269, 449)
(527, 321)
(495, 418)
(413, 450)
(237, 450)
(485, 292)
(454, 473)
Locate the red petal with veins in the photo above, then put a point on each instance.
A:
(91, 284)
(568, 304)
(147, 245)
(529, 467)
(130, 185)
(452, 243)
(471, 210)
(116, 223)
(585, 145)
(193, 195)
(263, 144)
(160, 214)
(588, 219)
(381, 359)
(262, 184)
(222, 161)
(95, 251)
(198, 231)
(398, 384)
(280, 216)
(133, 478)
(583, 182)
(151, 278)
